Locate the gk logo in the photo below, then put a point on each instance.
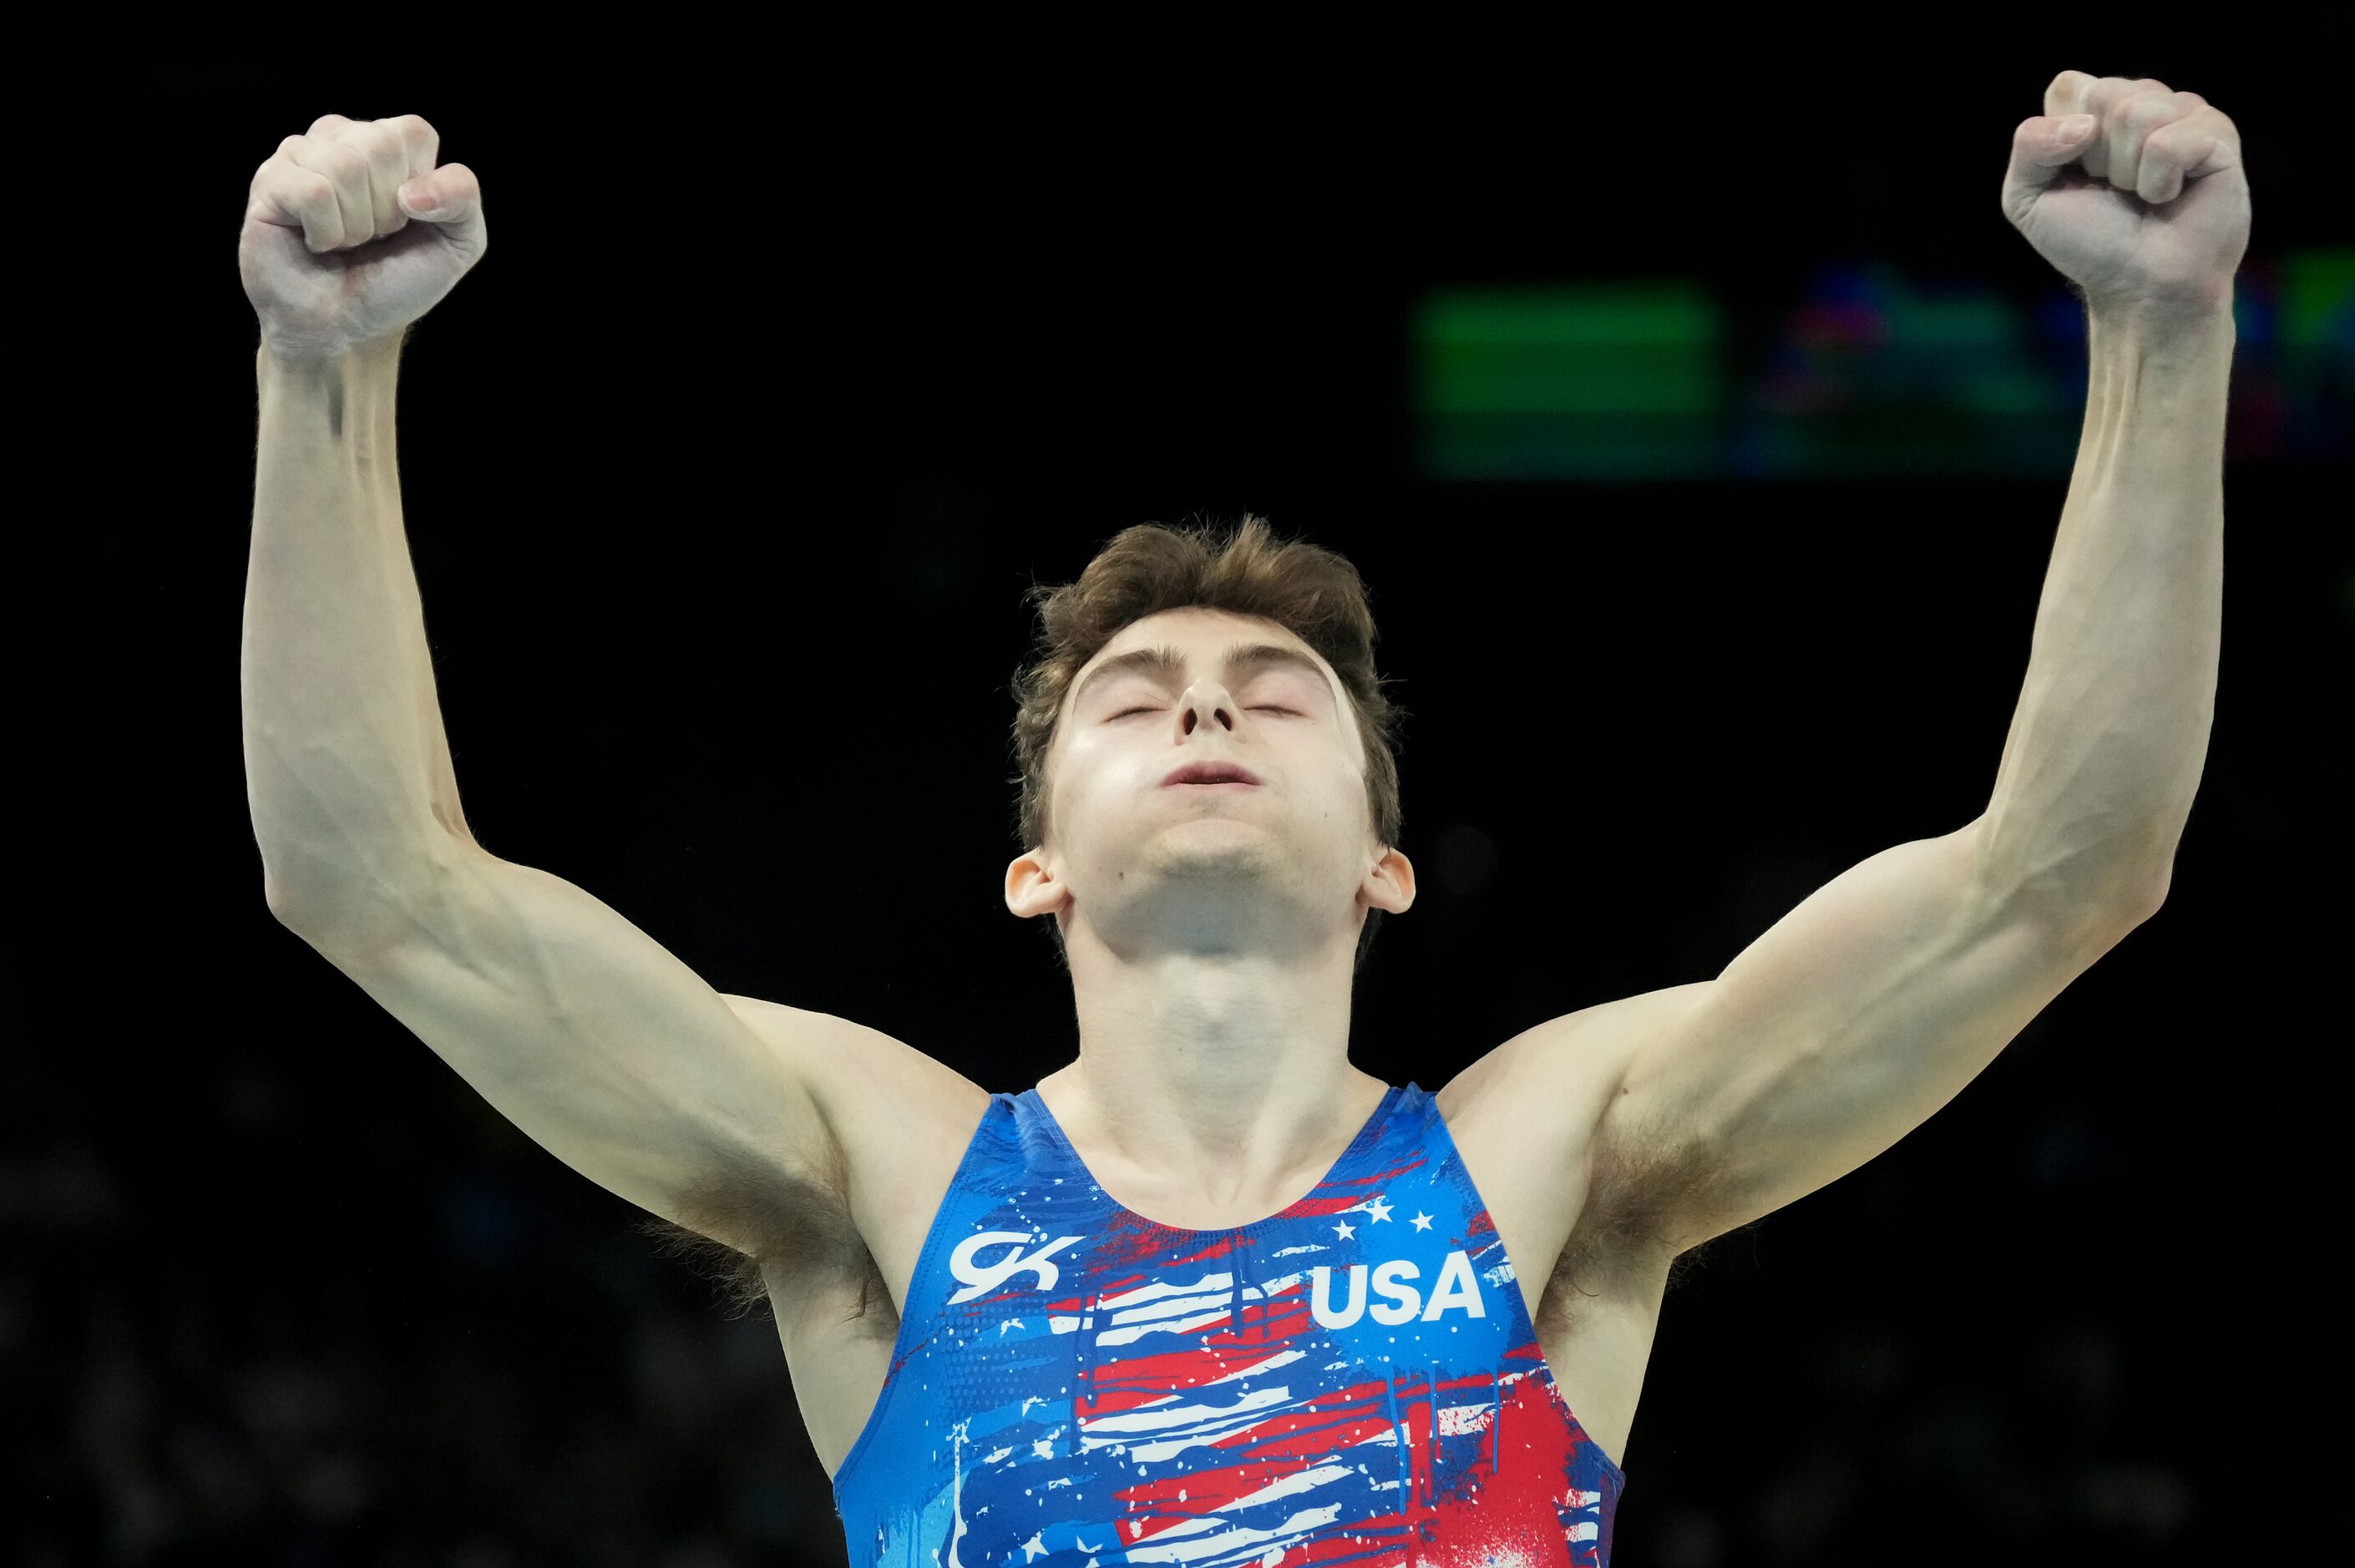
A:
(979, 1278)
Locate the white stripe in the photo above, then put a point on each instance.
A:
(1298, 1481)
(1208, 1284)
(1294, 1532)
(1259, 1368)
(1456, 1420)
(1186, 1325)
(1248, 1407)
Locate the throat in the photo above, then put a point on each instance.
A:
(1184, 1189)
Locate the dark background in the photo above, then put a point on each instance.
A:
(792, 363)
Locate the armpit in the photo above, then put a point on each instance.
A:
(1625, 1231)
(743, 1233)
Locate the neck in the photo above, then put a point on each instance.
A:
(1220, 1082)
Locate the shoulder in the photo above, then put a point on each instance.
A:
(1546, 1095)
(898, 1122)
(1579, 1059)
(873, 1089)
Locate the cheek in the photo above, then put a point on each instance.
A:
(1082, 772)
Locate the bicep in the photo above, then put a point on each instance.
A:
(1843, 1027)
(596, 1040)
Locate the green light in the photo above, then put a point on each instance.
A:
(2317, 297)
(1867, 372)
(1579, 380)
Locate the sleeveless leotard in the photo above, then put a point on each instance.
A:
(1354, 1380)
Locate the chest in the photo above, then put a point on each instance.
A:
(838, 1326)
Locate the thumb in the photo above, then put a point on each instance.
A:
(449, 196)
(2045, 144)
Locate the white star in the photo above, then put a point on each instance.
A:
(1345, 1230)
(1009, 1323)
(1422, 1222)
(1382, 1211)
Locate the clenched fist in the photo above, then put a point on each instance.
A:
(351, 233)
(2132, 190)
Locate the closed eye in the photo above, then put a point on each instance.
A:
(1263, 709)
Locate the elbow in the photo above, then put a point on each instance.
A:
(339, 912)
(304, 914)
(2131, 891)
(298, 888)
(2103, 917)
(2153, 890)
(284, 906)
(2096, 893)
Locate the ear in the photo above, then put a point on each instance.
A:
(1032, 888)
(1390, 885)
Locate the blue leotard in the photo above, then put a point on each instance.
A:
(1353, 1380)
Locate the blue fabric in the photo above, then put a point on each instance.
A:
(1074, 1384)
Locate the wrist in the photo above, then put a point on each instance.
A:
(2155, 346)
(2192, 318)
(316, 354)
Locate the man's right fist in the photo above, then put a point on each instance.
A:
(351, 233)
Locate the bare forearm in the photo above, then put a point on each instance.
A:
(2107, 748)
(348, 769)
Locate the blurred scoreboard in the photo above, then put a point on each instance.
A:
(1869, 373)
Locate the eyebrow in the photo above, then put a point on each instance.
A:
(1168, 666)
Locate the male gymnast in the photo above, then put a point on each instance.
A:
(1209, 1293)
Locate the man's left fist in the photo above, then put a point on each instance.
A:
(2132, 190)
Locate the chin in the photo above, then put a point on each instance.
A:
(1234, 850)
(1234, 855)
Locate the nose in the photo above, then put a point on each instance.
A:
(1205, 702)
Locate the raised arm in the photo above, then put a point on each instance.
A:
(578, 1026)
(1870, 1006)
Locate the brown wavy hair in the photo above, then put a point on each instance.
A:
(1241, 568)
